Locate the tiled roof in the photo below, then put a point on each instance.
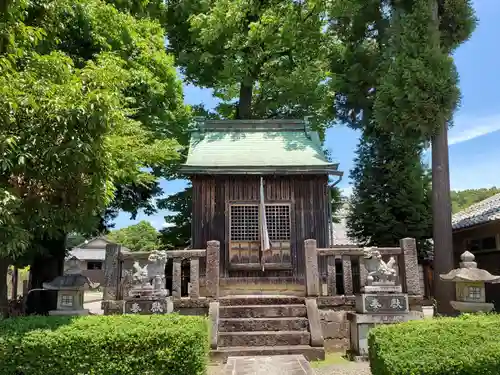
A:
(87, 254)
(246, 146)
(479, 213)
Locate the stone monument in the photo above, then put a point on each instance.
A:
(70, 288)
(469, 282)
(147, 293)
(381, 301)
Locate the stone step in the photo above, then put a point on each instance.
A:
(263, 311)
(263, 338)
(311, 353)
(263, 324)
(239, 300)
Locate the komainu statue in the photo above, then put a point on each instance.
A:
(379, 271)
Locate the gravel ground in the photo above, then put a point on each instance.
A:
(362, 368)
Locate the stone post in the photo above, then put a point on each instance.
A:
(212, 278)
(111, 278)
(194, 277)
(409, 267)
(111, 271)
(312, 274)
(176, 278)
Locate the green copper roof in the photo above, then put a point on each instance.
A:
(256, 146)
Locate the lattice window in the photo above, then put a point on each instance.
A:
(67, 300)
(278, 222)
(474, 293)
(244, 222)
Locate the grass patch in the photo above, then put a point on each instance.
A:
(330, 359)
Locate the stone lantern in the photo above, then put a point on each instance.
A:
(70, 288)
(469, 281)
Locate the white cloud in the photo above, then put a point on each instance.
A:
(167, 225)
(467, 128)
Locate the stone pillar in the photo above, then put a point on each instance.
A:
(111, 272)
(332, 276)
(312, 274)
(410, 279)
(176, 278)
(194, 277)
(347, 271)
(212, 278)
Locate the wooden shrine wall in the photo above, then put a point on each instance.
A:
(307, 196)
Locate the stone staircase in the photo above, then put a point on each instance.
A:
(265, 325)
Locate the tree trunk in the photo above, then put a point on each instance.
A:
(441, 212)
(46, 267)
(441, 209)
(4, 300)
(244, 110)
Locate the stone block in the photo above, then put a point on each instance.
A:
(112, 307)
(212, 271)
(312, 273)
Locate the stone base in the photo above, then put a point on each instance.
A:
(360, 325)
(382, 303)
(472, 307)
(69, 312)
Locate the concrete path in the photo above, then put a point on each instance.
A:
(271, 365)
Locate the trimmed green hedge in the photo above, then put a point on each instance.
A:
(468, 345)
(104, 345)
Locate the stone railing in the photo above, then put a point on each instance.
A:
(406, 255)
(118, 260)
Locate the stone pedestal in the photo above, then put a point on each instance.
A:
(69, 312)
(373, 309)
(360, 325)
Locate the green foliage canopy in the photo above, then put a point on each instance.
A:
(90, 106)
(266, 56)
(139, 237)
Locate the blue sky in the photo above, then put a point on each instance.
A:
(474, 140)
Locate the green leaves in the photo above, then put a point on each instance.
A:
(391, 192)
(418, 91)
(104, 345)
(467, 345)
(263, 55)
(139, 237)
(91, 106)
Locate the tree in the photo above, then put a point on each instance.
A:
(391, 195)
(177, 233)
(139, 237)
(383, 41)
(264, 59)
(465, 198)
(418, 96)
(85, 115)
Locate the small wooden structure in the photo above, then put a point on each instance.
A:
(240, 168)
